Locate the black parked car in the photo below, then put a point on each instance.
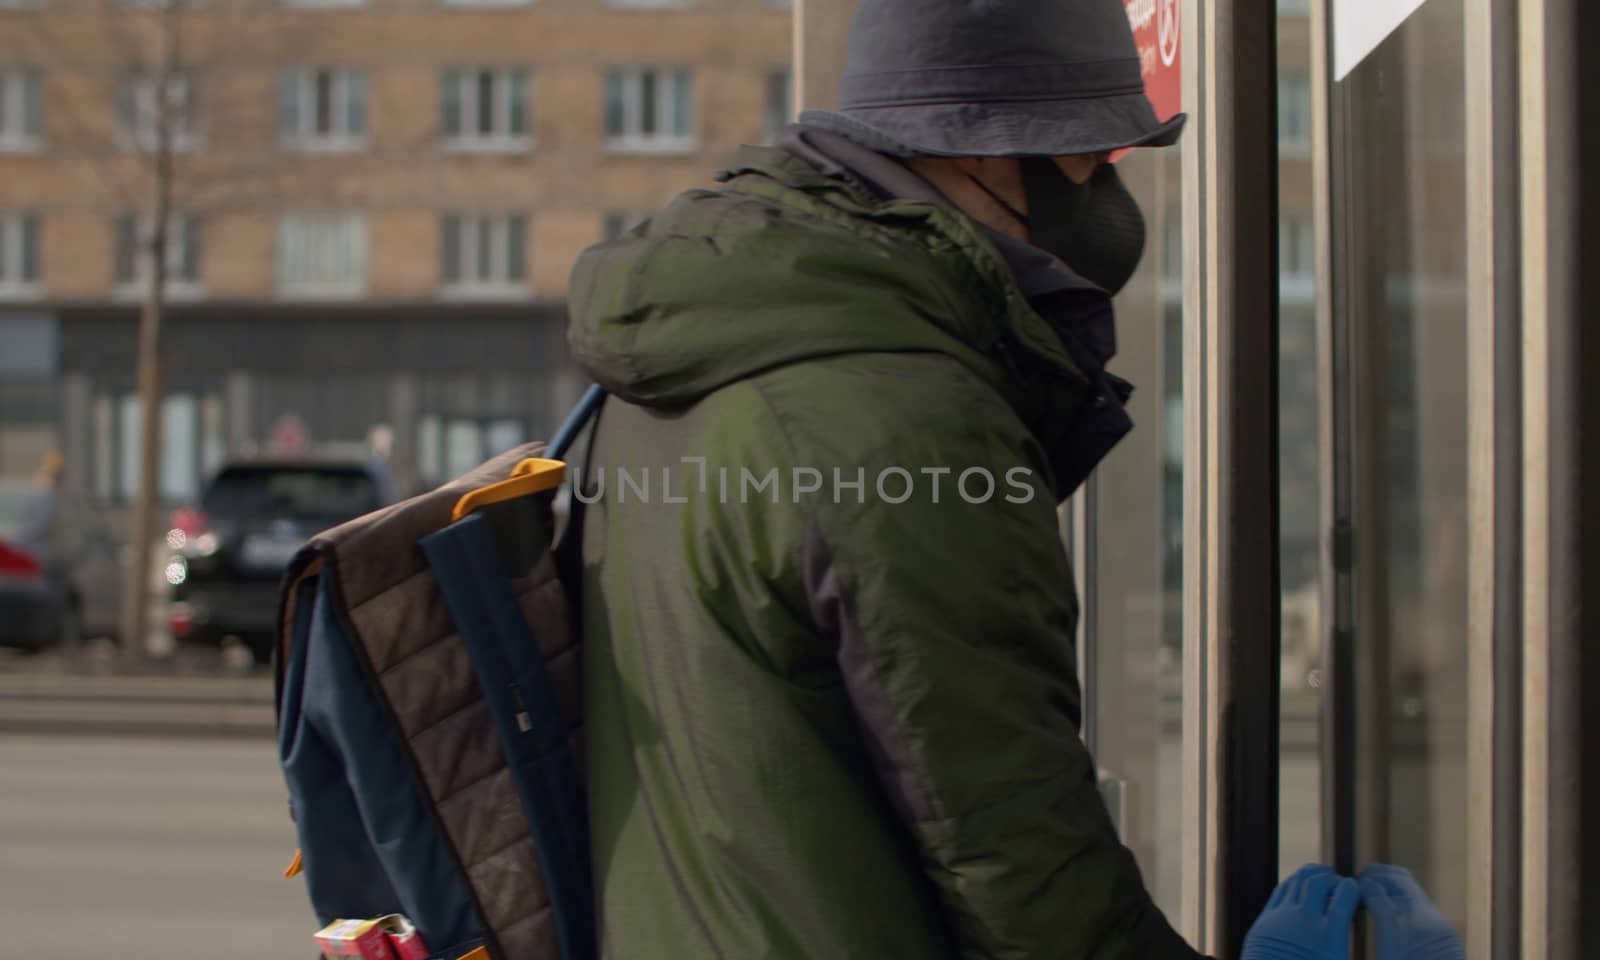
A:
(230, 551)
(60, 575)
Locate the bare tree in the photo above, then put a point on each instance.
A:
(159, 47)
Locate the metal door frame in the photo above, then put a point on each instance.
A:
(1232, 590)
(1559, 97)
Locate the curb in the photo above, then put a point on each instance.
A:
(153, 706)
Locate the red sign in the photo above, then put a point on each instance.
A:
(1157, 30)
(289, 435)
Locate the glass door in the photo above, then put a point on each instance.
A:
(1400, 168)
(1133, 571)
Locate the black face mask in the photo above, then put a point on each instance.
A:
(1095, 227)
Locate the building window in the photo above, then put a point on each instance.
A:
(1297, 256)
(484, 108)
(617, 224)
(191, 444)
(21, 109)
(649, 110)
(1172, 244)
(1294, 114)
(448, 447)
(19, 254)
(322, 108)
(322, 254)
(1297, 246)
(138, 116)
(483, 254)
(132, 253)
(780, 102)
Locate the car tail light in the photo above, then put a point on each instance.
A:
(180, 620)
(17, 562)
(184, 525)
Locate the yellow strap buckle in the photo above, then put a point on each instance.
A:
(529, 477)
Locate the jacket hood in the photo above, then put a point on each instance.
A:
(786, 264)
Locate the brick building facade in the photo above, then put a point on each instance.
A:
(375, 209)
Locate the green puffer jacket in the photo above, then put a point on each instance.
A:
(832, 707)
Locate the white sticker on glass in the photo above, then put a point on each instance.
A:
(1360, 25)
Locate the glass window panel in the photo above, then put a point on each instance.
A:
(778, 102)
(648, 107)
(1133, 690)
(32, 104)
(616, 103)
(1294, 110)
(485, 102)
(322, 253)
(463, 447)
(128, 445)
(127, 248)
(30, 248)
(450, 103)
(1299, 464)
(105, 446)
(682, 104)
(1404, 181)
(450, 249)
(213, 441)
(356, 103)
(516, 249)
(189, 255)
(483, 249)
(127, 106)
(504, 434)
(518, 93)
(289, 83)
(179, 449)
(429, 466)
(185, 92)
(322, 102)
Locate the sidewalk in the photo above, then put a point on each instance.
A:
(186, 693)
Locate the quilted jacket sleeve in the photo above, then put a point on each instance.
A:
(954, 625)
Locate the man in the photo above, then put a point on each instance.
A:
(39, 519)
(831, 702)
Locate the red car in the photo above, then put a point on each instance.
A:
(60, 579)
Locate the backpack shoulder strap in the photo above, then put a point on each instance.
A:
(575, 422)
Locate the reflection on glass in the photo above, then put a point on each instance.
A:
(1137, 577)
(1406, 181)
(179, 449)
(506, 433)
(1299, 811)
(463, 447)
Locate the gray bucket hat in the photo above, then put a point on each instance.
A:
(994, 78)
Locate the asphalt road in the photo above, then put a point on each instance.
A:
(142, 848)
(146, 849)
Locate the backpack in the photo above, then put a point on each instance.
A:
(428, 709)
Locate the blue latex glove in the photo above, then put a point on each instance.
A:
(1307, 918)
(1405, 923)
